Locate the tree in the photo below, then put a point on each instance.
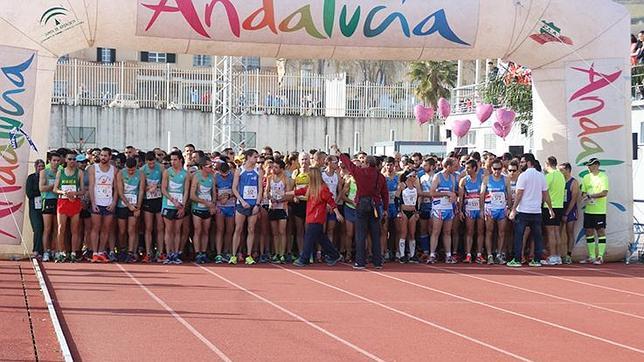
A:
(513, 90)
(433, 80)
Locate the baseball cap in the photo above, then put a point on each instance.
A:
(81, 158)
(592, 161)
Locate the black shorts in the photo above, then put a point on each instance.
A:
(594, 221)
(547, 221)
(299, 209)
(123, 213)
(49, 206)
(170, 214)
(277, 214)
(152, 205)
(203, 214)
(85, 214)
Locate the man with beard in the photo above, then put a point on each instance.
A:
(102, 195)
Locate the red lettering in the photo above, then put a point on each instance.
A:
(233, 17)
(591, 127)
(6, 212)
(594, 85)
(267, 21)
(187, 10)
(589, 111)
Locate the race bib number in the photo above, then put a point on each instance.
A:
(132, 198)
(444, 202)
(178, 197)
(225, 197)
(154, 192)
(409, 198)
(104, 191)
(38, 202)
(250, 193)
(67, 188)
(497, 200)
(472, 204)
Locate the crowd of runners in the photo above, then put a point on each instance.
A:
(267, 207)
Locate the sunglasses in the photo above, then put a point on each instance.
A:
(512, 170)
(497, 168)
(71, 159)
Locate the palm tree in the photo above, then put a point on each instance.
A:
(433, 80)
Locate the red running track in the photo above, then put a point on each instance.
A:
(405, 312)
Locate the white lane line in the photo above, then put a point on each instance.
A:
(605, 271)
(397, 311)
(540, 293)
(176, 316)
(60, 336)
(567, 329)
(580, 282)
(296, 316)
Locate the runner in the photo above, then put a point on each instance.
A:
(49, 200)
(496, 196)
(594, 192)
(225, 214)
(301, 178)
(103, 197)
(262, 218)
(390, 226)
(319, 198)
(202, 193)
(130, 183)
(348, 196)
(443, 192)
(175, 187)
(247, 189)
(69, 188)
(470, 210)
(408, 191)
(557, 190)
(85, 214)
(332, 179)
(152, 205)
(425, 208)
(277, 187)
(570, 210)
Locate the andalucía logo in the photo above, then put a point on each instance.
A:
(549, 33)
(53, 13)
(57, 16)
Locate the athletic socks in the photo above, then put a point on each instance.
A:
(601, 243)
(424, 243)
(401, 247)
(590, 243)
(412, 248)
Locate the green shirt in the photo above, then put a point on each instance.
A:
(556, 188)
(592, 184)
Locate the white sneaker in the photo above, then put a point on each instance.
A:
(46, 256)
(588, 260)
(559, 261)
(599, 261)
(552, 260)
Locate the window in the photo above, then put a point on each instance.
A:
(468, 140)
(490, 142)
(105, 55)
(201, 60)
(154, 57)
(251, 63)
(82, 135)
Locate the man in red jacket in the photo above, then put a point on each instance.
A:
(372, 203)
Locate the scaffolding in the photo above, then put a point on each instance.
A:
(228, 126)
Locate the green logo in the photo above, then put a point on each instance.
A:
(52, 14)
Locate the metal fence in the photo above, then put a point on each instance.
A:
(165, 86)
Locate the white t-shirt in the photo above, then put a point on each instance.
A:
(533, 183)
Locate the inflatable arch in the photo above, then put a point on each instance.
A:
(578, 51)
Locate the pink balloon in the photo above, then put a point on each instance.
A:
(461, 127)
(484, 112)
(501, 130)
(444, 108)
(505, 116)
(423, 114)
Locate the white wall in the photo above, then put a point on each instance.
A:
(148, 128)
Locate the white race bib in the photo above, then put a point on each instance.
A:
(250, 193)
(497, 200)
(67, 188)
(104, 191)
(132, 198)
(38, 202)
(445, 202)
(177, 196)
(472, 204)
(153, 194)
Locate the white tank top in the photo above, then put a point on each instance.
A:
(410, 196)
(278, 189)
(332, 183)
(103, 185)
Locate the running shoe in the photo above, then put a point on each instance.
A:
(225, 257)
(219, 259)
(567, 260)
(275, 259)
(318, 256)
(332, 262)
(513, 263)
(490, 260)
(60, 258)
(311, 260)
(169, 259)
(431, 259)
(413, 260)
(46, 256)
(249, 260)
(146, 259)
(480, 259)
(73, 258)
(232, 260)
(177, 259)
(95, 258)
(358, 267)
(378, 267)
(403, 260)
(299, 263)
(87, 253)
(501, 259)
(534, 263)
(282, 260)
(112, 256)
(599, 261)
(468, 259)
(131, 258)
(264, 258)
(552, 260)
(588, 260)
(450, 260)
